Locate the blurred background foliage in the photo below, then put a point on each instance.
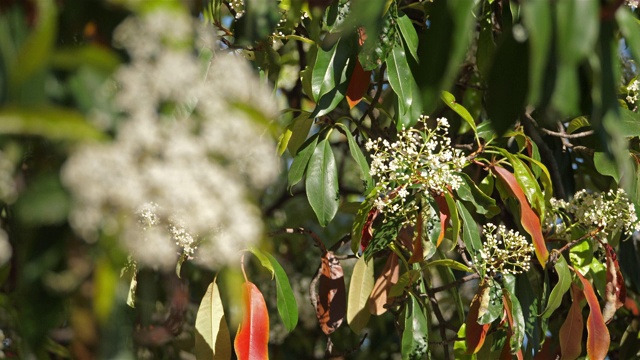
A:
(568, 64)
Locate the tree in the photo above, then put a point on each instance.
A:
(431, 179)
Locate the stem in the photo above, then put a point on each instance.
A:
(242, 268)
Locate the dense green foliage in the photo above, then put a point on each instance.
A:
(392, 178)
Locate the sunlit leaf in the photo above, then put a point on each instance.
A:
(358, 156)
(450, 101)
(409, 34)
(415, 341)
(264, 260)
(359, 290)
(400, 79)
(516, 323)
(530, 221)
(322, 183)
(571, 330)
(616, 292)
(475, 332)
(332, 301)
(450, 263)
(380, 293)
(598, 338)
(330, 63)
(212, 339)
(558, 291)
(252, 338)
(301, 160)
(470, 192)
(470, 232)
(299, 130)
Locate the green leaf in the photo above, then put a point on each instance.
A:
(508, 83)
(264, 260)
(359, 290)
(361, 220)
(98, 57)
(380, 31)
(630, 28)
(212, 334)
(492, 309)
(450, 263)
(299, 131)
(400, 79)
(558, 291)
(450, 101)
(469, 191)
(454, 217)
(358, 156)
(409, 34)
(544, 175)
(605, 165)
(322, 183)
(300, 161)
(330, 68)
(34, 53)
(287, 304)
(578, 123)
(518, 326)
(44, 202)
(54, 123)
(470, 232)
(537, 19)
(527, 182)
(415, 341)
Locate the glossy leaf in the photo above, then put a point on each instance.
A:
(359, 290)
(252, 338)
(470, 232)
(490, 303)
(299, 131)
(558, 291)
(322, 183)
(409, 34)
(616, 292)
(301, 160)
(450, 100)
(212, 339)
(527, 182)
(329, 68)
(529, 220)
(286, 301)
(400, 78)
(470, 192)
(264, 260)
(359, 157)
(570, 334)
(415, 341)
(515, 319)
(332, 302)
(445, 215)
(475, 332)
(598, 338)
(358, 85)
(380, 293)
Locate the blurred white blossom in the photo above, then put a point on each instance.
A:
(187, 160)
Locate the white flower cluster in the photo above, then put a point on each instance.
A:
(188, 153)
(238, 7)
(609, 212)
(633, 93)
(420, 161)
(504, 251)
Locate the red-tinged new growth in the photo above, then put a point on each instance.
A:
(475, 332)
(598, 338)
(252, 339)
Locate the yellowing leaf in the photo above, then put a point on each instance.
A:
(212, 334)
(359, 290)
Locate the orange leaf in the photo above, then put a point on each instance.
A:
(389, 277)
(332, 299)
(616, 292)
(530, 221)
(358, 84)
(418, 251)
(572, 328)
(367, 228)
(445, 215)
(476, 333)
(598, 338)
(253, 334)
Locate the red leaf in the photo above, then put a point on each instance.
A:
(506, 351)
(253, 334)
(367, 229)
(572, 328)
(358, 85)
(598, 338)
(476, 333)
(445, 215)
(616, 292)
(530, 221)
(332, 299)
(389, 277)
(631, 305)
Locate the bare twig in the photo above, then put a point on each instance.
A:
(459, 281)
(441, 321)
(343, 354)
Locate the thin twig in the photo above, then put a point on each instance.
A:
(441, 322)
(347, 352)
(452, 284)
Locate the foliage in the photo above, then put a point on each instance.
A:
(466, 173)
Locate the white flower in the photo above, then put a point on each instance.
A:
(186, 160)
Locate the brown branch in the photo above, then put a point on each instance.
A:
(565, 135)
(452, 284)
(441, 321)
